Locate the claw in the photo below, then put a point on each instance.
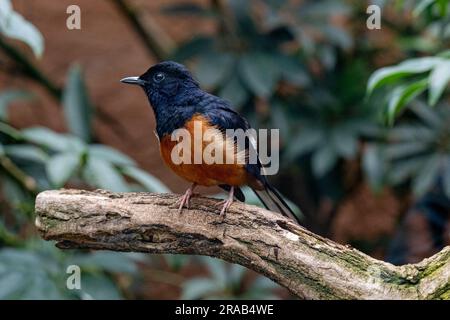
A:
(226, 203)
(184, 200)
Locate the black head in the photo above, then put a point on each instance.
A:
(164, 81)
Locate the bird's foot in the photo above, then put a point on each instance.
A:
(184, 201)
(225, 205)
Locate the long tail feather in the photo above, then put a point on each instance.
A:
(273, 201)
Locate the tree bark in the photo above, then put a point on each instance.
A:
(310, 266)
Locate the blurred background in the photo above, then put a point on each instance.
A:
(363, 113)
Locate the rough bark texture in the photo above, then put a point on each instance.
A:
(308, 265)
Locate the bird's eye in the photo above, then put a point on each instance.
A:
(158, 77)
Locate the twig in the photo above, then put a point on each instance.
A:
(18, 175)
(155, 39)
(34, 73)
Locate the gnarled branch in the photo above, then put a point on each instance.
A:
(308, 265)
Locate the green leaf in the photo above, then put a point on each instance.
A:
(9, 96)
(99, 287)
(373, 166)
(427, 175)
(109, 154)
(11, 285)
(234, 91)
(390, 74)
(27, 152)
(421, 7)
(217, 269)
(344, 141)
(104, 260)
(402, 95)
(304, 142)
(259, 73)
(427, 115)
(292, 71)
(103, 174)
(10, 131)
(61, 167)
(151, 183)
(76, 105)
(443, 7)
(13, 25)
(197, 288)
(446, 177)
(405, 169)
(323, 160)
(212, 68)
(407, 149)
(47, 138)
(438, 81)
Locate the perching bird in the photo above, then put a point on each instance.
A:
(178, 102)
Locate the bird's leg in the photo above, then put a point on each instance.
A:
(184, 200)
(227, 203)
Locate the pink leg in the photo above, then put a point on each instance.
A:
(184, 200)
(227, 203)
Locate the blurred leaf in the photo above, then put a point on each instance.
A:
(438, 81)
(390, 74)
(446, 177)
(77, 107)
(104, 260)
(47, 138)
(405, 169)
(102, 174)
(323, 160)
(217, 268)
(236, 274)
(344, 142)
(258, 72)
(10, 131)
(41, 287)
(320, 10)
(338, 36)
(292, 71)
(234, 91)
(422, 6)
(150, 183)
(407, 149)
(402, 95)
(109, 154)
(373, 166)
(197, 288)
(195, 46)
(61, 167)
(304, 142)
(9, 96)
(212, 68)
(27, 152)
(427, 175)
(11, 285)
(13, 25)
(176, 261)
(99, 287)
(427, 115)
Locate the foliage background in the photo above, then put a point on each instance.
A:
(364, 118)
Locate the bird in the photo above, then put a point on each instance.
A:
(179, 103)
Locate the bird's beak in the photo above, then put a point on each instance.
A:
(133, 80)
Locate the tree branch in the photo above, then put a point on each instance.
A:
(308, 265)
(155, 39)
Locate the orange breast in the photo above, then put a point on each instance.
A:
(182, 159)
